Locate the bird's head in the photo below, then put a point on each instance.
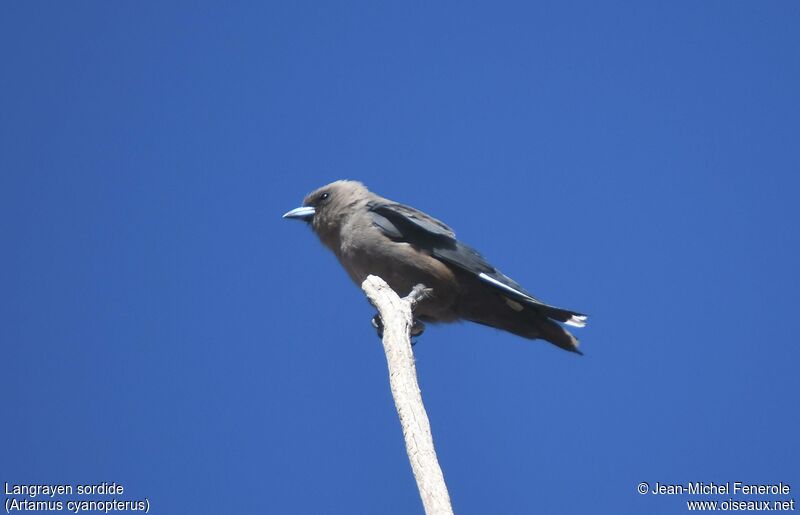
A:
(328, 207)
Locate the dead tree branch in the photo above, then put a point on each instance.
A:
(396, 315)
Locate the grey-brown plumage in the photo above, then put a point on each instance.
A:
(373, 235)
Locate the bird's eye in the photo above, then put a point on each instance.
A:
(323, 197)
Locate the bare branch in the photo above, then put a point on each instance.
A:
(397, 324)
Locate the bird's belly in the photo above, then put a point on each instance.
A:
(403, 267)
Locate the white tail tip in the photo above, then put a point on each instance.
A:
(577, 321)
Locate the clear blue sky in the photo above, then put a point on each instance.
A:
(164, 328)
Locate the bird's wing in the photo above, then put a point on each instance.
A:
(399, 219)
(404, 223)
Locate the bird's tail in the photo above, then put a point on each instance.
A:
(557, 335)
(533, 323)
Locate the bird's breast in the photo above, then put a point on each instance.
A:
(402, 266)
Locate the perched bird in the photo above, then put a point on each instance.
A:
(405, 247)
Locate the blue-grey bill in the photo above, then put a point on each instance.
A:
(301, 213)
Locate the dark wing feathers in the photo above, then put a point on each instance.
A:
(386, 226)
(408, 220)
(404, 223)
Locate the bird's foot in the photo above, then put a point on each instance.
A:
(418, 328)
(416, 331)
(418, 293)
(377, 323)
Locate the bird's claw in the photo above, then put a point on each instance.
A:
(416, 331)
(377, 323)
(418, 328)
(418, 293)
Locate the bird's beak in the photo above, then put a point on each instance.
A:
(305, 213)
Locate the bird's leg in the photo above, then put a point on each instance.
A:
(377, 323)
(418, 293)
